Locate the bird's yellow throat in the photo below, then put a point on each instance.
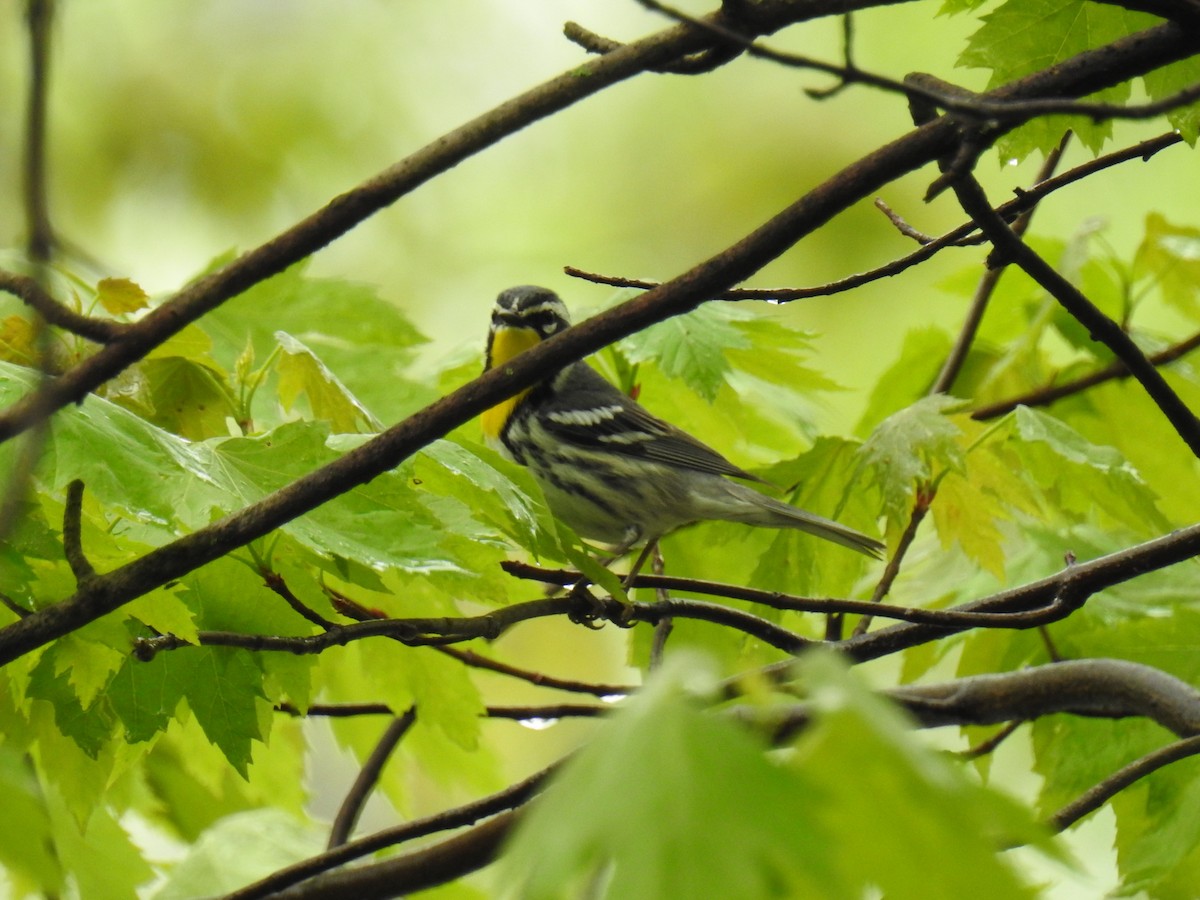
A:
(506, 343)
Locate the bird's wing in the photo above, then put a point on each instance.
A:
(597, 416)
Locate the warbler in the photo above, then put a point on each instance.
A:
(608, 468)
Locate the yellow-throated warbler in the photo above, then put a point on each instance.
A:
(609, 469)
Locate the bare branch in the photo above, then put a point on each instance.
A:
(1052, 393)
(476, 660)
(987, 286)
(1080, 579)
(81, 568)
(40, 240)
(102, 331)
(1103, 688)
(975, 203)
(368, 775)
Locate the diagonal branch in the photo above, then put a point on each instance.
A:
(1012, 248)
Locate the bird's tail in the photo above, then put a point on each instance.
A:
(764, 510)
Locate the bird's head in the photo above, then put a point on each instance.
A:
(522, 317)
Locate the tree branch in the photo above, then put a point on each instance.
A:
(102, 331)
(1103, 688)
(368, 776)
(1079, 579)
(1052, 393)
(1012, 249)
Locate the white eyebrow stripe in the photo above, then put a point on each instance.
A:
(586, 417)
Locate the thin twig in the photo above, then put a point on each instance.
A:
(543, 712)
(1013, 249)
(356, 798)
(1024, 201)
(1052, 393)
(923, 498)
(1056, 605)
(81, 567)
(479, 661)
(276, 583)
(944, 383)
(966, 104)
(40, 241)
(983, 748)
(102, 331)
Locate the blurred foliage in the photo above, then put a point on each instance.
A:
(188, 131)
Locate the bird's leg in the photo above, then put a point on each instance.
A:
(662, 628)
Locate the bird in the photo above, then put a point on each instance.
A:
(611, 470)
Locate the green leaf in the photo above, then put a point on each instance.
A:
(26, 848)
(239, 850)
(692, 346)
(966, 515)
(379, 525)
(910, 448)
(223, 687)
(366, 340)
(302, 372)
(656, 780)
(1026, 36)
(498, 491)
(1170, 255)
(189, 398)
(103, 861)
(825, 480)
(873, 770)
(120, 295)
(1168, 80)
(1081, 478)
(90, 727)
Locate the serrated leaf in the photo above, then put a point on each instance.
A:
(302, 372)
(188, 398)
(825, 480)
(366, 340)
(358, 525)
(165, 612)
(26, 847)
(909, 448)
(1083, 478)
(691, 347)
(497, 490)
(91, 727)
(121, 295)
(103, 860)
(1168, 80)
(1026, 36)
(223, 686)
(18, 341)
